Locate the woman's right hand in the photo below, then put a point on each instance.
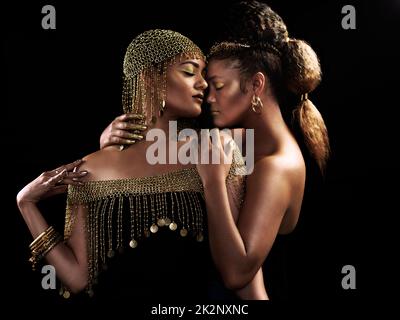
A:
(51, 182)
(119, 132)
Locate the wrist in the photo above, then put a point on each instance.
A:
(214, 182)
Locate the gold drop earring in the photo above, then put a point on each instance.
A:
(162, 108)
(256, 104)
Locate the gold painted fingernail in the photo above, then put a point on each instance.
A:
(135, 136)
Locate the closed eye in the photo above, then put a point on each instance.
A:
(188, 73)
(218, 85)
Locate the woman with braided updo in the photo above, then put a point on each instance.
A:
(262, 81)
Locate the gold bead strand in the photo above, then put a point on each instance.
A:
(102, 232)
(92, 233)
(193, 215)
(146, 215)
(183, 232)
(133, 242)
(139, 218)
(95, 240)
(154, 227)
(160, 217)
(165, 208)
(200, 234)
(120, 247)
(110, 252)
(172, 225)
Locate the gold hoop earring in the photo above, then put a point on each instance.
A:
(256, 104)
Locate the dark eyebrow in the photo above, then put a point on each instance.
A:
(191, 62)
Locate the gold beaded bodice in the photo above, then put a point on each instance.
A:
(121, 213)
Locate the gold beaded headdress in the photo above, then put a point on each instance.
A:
(145, 69)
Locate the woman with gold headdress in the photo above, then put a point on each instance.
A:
(155, 214)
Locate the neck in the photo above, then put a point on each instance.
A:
(163, 123)
(270, 130)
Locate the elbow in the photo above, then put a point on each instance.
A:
(77, 283)
(235, 283)
(234, 280)
(237, 275)
(77, 287)
(21, 203)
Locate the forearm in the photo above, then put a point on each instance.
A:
(227, 245)
(61, 257)
(33, 218)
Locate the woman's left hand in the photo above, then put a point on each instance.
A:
(219, 155)
(52, 182)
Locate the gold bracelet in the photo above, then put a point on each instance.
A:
(46, 241)
(41, 236)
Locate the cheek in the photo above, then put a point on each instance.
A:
(176, 93)
(179, 98)
(233, 105)
(172, 97)
(233, 102)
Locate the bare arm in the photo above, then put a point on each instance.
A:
(69, 259)
(235, 185)
(239, 250)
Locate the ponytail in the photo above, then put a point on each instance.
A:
(302, 72)
(314, 131)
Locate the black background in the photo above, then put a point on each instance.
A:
(63, 87)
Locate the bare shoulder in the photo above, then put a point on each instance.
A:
(271, 164)
(278, 169)
(98, 163)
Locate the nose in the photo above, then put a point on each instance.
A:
(210, 98)
(202, 84)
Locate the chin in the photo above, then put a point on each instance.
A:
(195, 112)
(198, 112)
(219, 123)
